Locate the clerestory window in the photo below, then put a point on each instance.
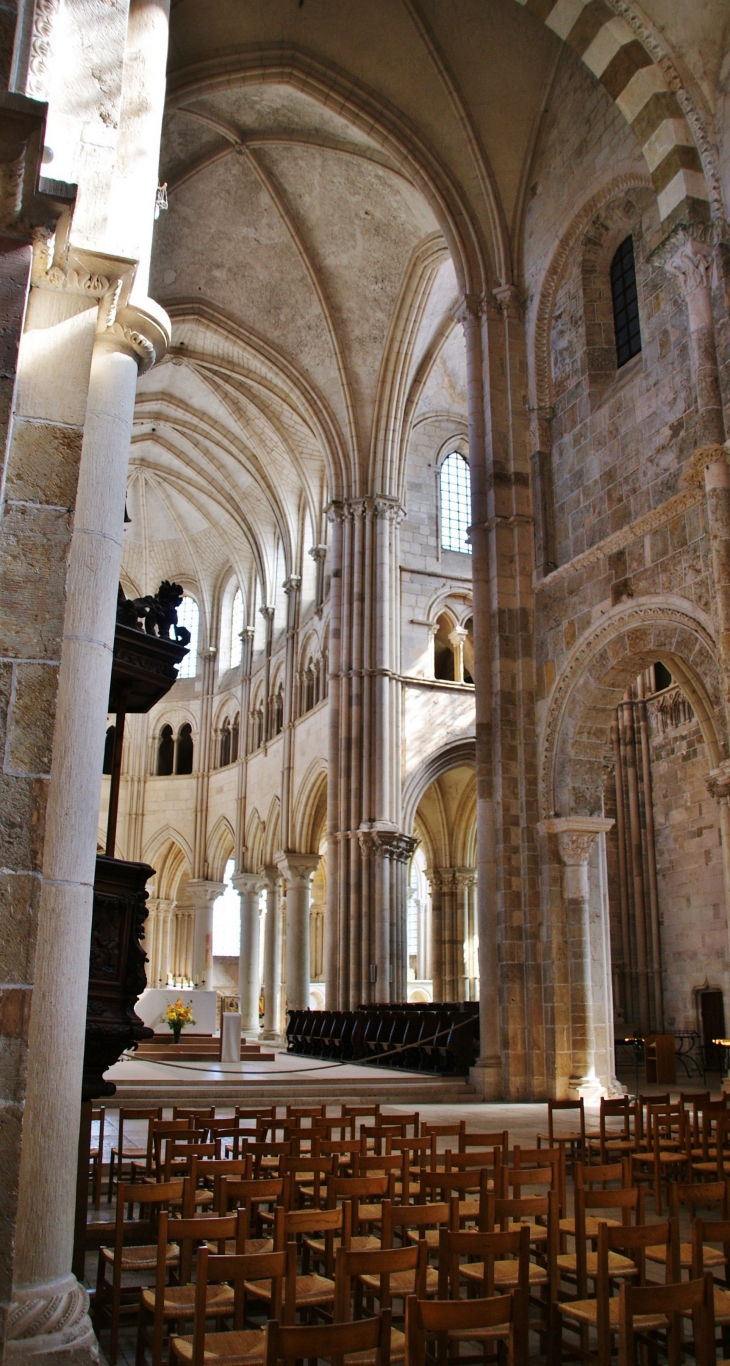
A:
(188, 614)
(236, 628)
(455, 490)
(625, 303)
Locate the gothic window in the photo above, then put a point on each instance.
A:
(625, 303)
(469, 652)
(184, 750)
(309, 687)
(188, 614)
(234, 738)
(455, 490)
(236, 628)
(165, 752)
(109, 749)
(225, 744)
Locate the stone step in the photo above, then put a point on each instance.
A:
(251, 1090)
(188, 1052)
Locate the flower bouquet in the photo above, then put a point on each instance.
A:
(178, 1017)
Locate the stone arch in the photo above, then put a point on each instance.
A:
(628, 59)
(452, 755)
(221, 845)
(272, 842)
(255, 838)
(596, 673)
(308, 806)
(172, 862)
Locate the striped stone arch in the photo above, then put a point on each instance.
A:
(617, 52)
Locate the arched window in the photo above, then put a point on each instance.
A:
(188, 614)
(225, 749)
(236, 628)
(184, 750)
(165, 752)
(109, 749)
(625, 303)
(235, 729)
(443, 651)
(309, 687)
(279, 711)
(455, 488)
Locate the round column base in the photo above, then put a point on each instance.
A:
(486, 1078)
(50, 1323)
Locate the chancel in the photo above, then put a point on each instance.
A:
(365, 678)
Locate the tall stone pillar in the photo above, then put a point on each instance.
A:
(272, 954)
(48, 1313)
(203, 760)
(204, 895)
(718, 785)
(576, 836)
(297, 870)
(249, 887)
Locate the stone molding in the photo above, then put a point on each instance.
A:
(44, 13)
(49, 1319)
(643, 526)
(650, 611)
(690, 261)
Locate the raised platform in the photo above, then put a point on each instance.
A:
(202, 1048)
(276, 1078)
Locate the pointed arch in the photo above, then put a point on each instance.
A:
(458, 752)
(221, 845)
(309, 806)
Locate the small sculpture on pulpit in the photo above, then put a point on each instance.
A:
(155, 613)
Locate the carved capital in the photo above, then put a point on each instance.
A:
(389, 509)
(718, 782)
(203, 892)
(292, 584)
(386, 839)
(143, 331)
(508, 300)
(49, 1318)
(700, 461)
(297, 869)
(576, 836)
(471, 309)
(267, 613)
(248, 884)
(318, 552)
(690, 263)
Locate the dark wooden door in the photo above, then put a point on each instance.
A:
(712, 1008)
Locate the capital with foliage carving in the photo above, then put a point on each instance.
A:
(718, 782)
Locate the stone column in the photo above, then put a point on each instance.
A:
(297, 870)
(456, 640)
(203, 895)
(576, 836)
(433, 876)
(272, 954)
(249, 887)
(48, 1313)
(718, 785)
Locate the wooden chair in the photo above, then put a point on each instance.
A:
(96, 1156)
(601, 1313)
(575, 1139)
(204, 1177)
(582, 1265)
(703, 1194)
(554, 1158)
(161, 1133)
(715, 1161)
(308, 1177)
(414, 1222)
(249, 1195)
(454, 1322)
(239, 1343)
(370, 1338)
(122, 1152)
(366, 1195)
(165, 1304)
(445, 1185)
(705, 1231)
(640, 1306)
(409, 1120)
(307, 1290)
(469, 1140)
(668, 1149)
(588, 1178)
(385, 1263)
(504, 1265)
(437, 1131)
(610, 1144)
(183, 1112)
(532, 1210)
(135, 1250)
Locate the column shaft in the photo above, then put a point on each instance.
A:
(249, 887)
(272, 954)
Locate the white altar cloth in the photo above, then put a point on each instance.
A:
(153, 1003)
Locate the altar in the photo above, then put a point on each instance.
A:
(153, 1003)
